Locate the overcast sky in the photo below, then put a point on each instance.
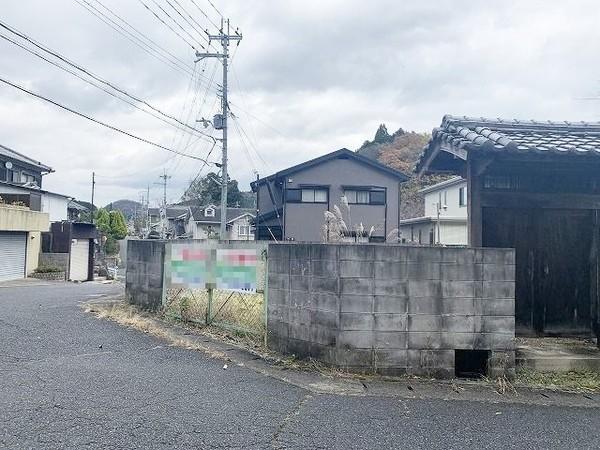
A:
(309, 77)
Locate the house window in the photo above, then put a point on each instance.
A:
(365, 196)
(462, 196)
(209, 212)
(27, 178)
(306, 195)
(243, 230)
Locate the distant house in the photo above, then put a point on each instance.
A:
(21, 181)
(292, 202)
(533, 186)
(75, 211)
(449, 199)
(205, 221)
(176, 218)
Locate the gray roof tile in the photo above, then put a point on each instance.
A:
(481, 134)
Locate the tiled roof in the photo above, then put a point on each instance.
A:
(10, 153)
(172, 211)
(464, 134)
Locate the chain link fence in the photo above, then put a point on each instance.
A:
(238, 310)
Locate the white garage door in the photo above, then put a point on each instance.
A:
(78, 265)
(13, 248)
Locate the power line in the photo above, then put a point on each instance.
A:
(134, 39)
(99, 87)
(187, 21)
(104, 124)
(167, 25)
(206, 15)
(92, 75)
(179, 25)
(143, 36)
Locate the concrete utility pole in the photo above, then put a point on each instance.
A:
(93, 191)
(163, 209)
(220, 120)
(147, 226)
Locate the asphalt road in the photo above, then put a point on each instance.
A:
(60, 389)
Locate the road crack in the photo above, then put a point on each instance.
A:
(293, 413)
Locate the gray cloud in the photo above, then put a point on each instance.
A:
(317, 75)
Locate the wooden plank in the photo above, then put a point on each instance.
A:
(474, 204)
(528, 200)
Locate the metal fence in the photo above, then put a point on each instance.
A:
(223, 285)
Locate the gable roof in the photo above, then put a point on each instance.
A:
(442, 185)
(173, 212)
(77, 206)
(29, 188)
(343, 153)
(232, 214)
(12, 154)
(457, 136)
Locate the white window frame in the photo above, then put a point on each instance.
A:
(246, 228)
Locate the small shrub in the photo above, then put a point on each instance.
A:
(48, 269)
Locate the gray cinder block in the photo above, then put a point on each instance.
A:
(356, 269)
(356, 303)
(390, 304)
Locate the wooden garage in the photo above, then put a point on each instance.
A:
(535, 187)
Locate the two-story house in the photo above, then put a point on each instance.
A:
(28, 212)
(21, 179)
(205, 221)
(292, 203)
(445, 219)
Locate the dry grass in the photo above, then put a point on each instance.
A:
(130, 316)
(241, 311)
(576, 381)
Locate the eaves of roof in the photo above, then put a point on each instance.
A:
(342, 153)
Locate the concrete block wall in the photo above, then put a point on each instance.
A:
(392, 309)
(144, 275)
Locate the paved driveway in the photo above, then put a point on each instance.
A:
(69, 380)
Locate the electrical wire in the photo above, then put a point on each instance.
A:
(192, 26)
(179, 25)
(88, 73)
(167, 25)
(104, 124)
(142, 35)
(132, 38)
(100, 87)
(206, 15)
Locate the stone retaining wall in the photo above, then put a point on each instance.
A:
(49, 276)
(392, 309)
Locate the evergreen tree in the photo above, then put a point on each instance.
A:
(382, 136)
(103, 220)
(118, 228)
(207, 190)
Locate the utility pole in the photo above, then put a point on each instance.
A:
(163, 209)
(220, 120)
(147, 227)
(93, 191)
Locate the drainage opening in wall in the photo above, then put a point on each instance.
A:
(471, 363)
